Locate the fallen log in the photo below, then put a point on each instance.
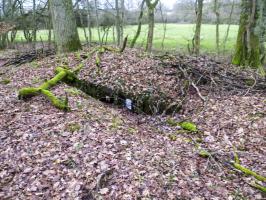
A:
(29, 57)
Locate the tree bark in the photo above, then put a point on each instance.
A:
(199, 7)
(228, 26)
(139, 25)
(216, 11)
(97, 20)
(64, 25)
(122, 23)
(89, 20)
(249, 49)
(117, 23)
(151, 7)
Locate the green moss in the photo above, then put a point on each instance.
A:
(189, 126)
(28, 92)
(204, 154)
(132, 130)
(72, 45)
(78, 56)
(73, 127)
(5, 81)
(69, 75)
(172, 137)
(36, 80)
(52, 82)
(171, 122)
(249, 82)
(259, 187)
(199, 140)
(62, 105)
(34, 64)
(116, 123)
(98, 60)
(249, 172)
(73, 91)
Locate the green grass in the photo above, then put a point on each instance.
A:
(177, 36)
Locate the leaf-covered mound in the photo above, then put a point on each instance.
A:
(97, 151)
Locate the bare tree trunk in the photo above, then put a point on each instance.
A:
(151, 7)
(89, 20)
(196, 39)
(97, 21)
(34, 31)
(164, 20)
(82, 24)
(3, 38)
(117, 23)
(216, 11)
(229, 25)
(122, 23)
(139, 25)
(65, 27)
(113, 28)
(49, 27)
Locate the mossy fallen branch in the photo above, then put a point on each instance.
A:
(61, 73)
(259, 187)
(248, 172)
(62, 105)
(236, 164)
(30, 92)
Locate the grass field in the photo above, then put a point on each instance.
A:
(177, 36)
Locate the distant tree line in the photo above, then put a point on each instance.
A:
(63, 17)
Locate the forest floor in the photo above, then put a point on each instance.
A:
(101, 151)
